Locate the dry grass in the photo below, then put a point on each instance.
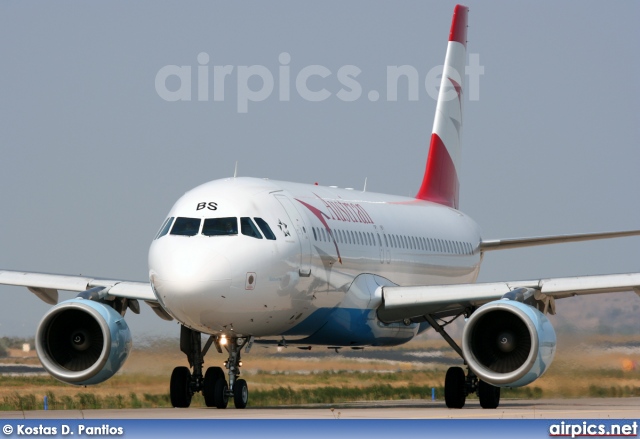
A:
(594, 366)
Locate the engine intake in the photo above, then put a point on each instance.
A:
(82, 342)
(508, 343)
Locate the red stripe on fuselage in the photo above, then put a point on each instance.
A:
(440, 183)
(320, 215)
(459, 25)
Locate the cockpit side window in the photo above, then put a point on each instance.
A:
(186, 226)
(248, 228)
(266, 230)
(165, 228)
(220, 226)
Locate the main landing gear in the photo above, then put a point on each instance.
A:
(458, 385)
(213, 384)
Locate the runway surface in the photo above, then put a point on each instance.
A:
(601, 408)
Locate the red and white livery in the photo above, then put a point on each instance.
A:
(246, 260)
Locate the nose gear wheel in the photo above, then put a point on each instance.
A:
(213, 385)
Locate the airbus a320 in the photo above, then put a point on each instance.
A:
(245, 260)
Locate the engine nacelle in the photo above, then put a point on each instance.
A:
(82, 341)
(508, 343)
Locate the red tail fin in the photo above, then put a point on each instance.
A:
(440, 183)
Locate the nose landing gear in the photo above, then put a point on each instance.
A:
(216, 391)
(213, 385)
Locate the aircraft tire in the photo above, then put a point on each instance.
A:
(240, 394)
(179, 387)
(489, 395)
(220, 396)
(210, 377)
(454, 388)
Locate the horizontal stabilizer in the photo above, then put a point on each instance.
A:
(503, 244)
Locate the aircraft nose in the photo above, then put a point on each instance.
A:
(186, 276)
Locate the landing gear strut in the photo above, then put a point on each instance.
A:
(458, 385)
(213, 384)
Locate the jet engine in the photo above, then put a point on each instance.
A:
(82, 341)
(508, 343)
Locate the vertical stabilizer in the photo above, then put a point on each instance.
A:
(440, 183)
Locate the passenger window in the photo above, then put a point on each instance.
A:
(266, 230)
(315, 237)
(386, 243)
(248, 228)
(220, 226)
(165, 228)
(186, 226)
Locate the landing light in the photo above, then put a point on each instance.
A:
(223, 340)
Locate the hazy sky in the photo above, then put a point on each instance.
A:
(93, 157)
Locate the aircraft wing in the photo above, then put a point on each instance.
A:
(46, 287)
(415, 302)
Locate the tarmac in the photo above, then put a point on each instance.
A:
(588, 408)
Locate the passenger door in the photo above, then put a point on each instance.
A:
(298, 226)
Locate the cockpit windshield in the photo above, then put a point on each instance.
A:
(265, 229)
(165, 228)
(227, 226)
(220, 226)
(186, 226)
(248, 228)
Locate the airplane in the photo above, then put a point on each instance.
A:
(246, 261)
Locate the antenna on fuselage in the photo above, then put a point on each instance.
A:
(365, 185)
(235, 171)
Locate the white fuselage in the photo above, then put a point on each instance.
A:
(301, 284)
